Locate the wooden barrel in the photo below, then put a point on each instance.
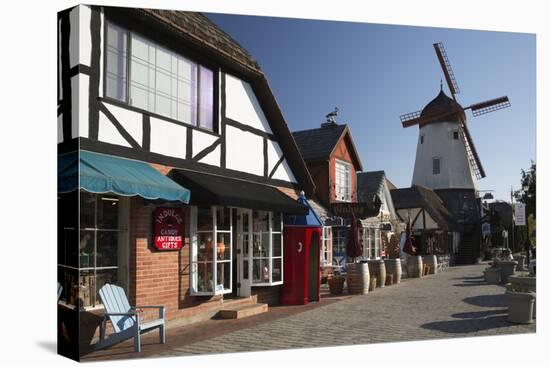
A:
(358, 278)
(431, 261)
(414, 266)
(393, 266)
(378, 269)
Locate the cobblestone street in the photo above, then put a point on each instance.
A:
(455, 303)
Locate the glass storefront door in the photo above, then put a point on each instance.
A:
(244, 236)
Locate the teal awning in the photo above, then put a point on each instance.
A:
(101, 173)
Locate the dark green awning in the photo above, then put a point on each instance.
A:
(101, 173)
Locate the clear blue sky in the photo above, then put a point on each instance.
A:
(374, 73)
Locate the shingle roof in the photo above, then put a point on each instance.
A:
(202, 30)
(368, 184)
(422, 197)
(320, 142)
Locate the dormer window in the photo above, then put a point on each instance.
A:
(343, 181)
(150, 77)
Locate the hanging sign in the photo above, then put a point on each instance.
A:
(485, 228)
(519, 213)
(168, 228)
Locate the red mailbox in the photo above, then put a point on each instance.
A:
(302, 273)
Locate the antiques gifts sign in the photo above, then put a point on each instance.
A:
(168, 228)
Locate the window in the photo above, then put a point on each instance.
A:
(370, 243)
(160, 81)
(455, 135)
(421, 139)
(339, 241)
(436, 165)
(211, 251)
(267, 248)
(343, 181)
(326, 246)
(103, 244)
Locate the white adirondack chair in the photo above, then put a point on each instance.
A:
(125, 319)
(59, 291)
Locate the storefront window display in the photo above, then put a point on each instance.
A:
(103, 247)
(326, 248)
(211, 251)
(267, 248)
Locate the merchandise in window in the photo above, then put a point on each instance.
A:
(160, 81)
(211, 252)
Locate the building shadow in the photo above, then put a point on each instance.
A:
(469, 278)
(492, 300)
(467, 325)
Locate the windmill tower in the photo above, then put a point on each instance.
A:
(446, 157)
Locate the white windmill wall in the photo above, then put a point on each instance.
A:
(455, 169)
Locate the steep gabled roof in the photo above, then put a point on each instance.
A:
(369, 184)
(419, 196)
(319, 143)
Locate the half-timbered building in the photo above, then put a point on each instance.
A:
(173, 162)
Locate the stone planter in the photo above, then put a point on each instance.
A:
(507, 268)
(520, 306)
(336, 284)
(492, 275)
(523, 284)
(521, 262)
(358, 278)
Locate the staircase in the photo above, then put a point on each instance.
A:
(241, 307)
(468, 251)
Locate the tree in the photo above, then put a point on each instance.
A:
(529, 198)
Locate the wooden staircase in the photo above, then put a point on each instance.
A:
(241, 307)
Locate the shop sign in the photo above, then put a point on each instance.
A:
(168, 228)
(519, 214)
(360, 210)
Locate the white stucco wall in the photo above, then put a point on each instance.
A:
(455, 167)
(244, 151)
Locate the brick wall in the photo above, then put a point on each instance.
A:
(269, 295)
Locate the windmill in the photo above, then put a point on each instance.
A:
(447, 110)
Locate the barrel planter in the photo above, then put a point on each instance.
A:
(336, 284)
(492, 275)
(414, 266)
(372, 285)
(520, 306)
(507, 268)
(431, 261)
(358, 278)
(393, 266)
(378, 269)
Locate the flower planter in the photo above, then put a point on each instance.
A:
(414, 266)
(492, 275)
(377, 268)
(523, 284)
(372, 285)
(393, 266)
(520, 306)
(507, 268)
(336, 285)
(431, 261)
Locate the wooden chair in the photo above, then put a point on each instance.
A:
(125, 319)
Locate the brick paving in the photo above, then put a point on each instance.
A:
(455, 303)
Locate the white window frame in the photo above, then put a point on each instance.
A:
(270, 252)
(194, 253)
(326, 246)
(347, 190)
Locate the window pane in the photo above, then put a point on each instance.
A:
(276, 245)
(260, 271)
(205, 277)
(107, 212)
(205, 251)
(260, 221)
(103, 277)
(87, 210)
(116, 62)
(276, 222)
(436, 166)
(277, 270)
(205, 220)
(223, 218)
(84, 294)
(223, 246)
(206, 98)
(224, 276)
(260, 248)
(86, 249)
(107, 248)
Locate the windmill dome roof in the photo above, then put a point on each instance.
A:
(443, 108)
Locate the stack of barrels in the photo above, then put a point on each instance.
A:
(358, 278)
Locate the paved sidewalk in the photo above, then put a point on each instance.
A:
(456, 303)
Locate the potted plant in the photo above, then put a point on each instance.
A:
(523, 281)
(492, 275)
(521, 303)
(336, 284)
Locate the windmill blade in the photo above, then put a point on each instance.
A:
(475, 162)
(414, 118)
(446, 66)
(491, 105)
(409, 119)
